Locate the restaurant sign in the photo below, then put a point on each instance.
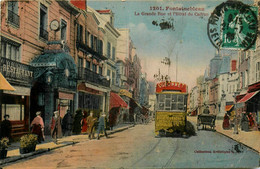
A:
(15, 70)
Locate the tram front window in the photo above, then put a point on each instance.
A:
(171, 102)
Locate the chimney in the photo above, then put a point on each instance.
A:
(79, 3)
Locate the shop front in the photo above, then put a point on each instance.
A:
(93, 97)
(16, 102)
(54, 85)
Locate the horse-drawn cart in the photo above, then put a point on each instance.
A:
(206, 119)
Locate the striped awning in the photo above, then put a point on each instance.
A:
(248, 96)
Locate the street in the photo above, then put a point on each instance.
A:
(138, 148)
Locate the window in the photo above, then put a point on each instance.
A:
(95, 43)
(80, 62)
(113, 78)
(92, 41)
(108, 49)
(79, 33)
(94, 68)
(10, 49)
(113, 53)
(63, 29)
(257, 71)
(88, 64)
(100, 70)
(86, 37)
(171, 102)
(43, 22)
(100, 47)
(108, 72)
(13, 16)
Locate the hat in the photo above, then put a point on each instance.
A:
(7, 115)
(38, 113)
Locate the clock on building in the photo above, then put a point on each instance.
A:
(54, 25)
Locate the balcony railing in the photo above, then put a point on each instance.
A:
(44, 33)
(13, 18)
(89, 76)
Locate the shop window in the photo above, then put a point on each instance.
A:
(43, 22)
(13, 16)
(14, 106)
(10, 49)
(63, 29)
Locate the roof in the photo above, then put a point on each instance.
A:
(225, 65)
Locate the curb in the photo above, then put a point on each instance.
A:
(238, 141)
(41, 151)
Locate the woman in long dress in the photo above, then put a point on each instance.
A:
(38, 127)
(84, 123)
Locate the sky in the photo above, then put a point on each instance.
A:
(187, 46)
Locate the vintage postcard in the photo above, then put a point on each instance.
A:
(129, 84)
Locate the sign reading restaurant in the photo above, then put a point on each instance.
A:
(15, 70)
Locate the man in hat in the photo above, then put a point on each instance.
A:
(6, 127)
(101, 125)
(38, 127)
(91, 125)
(56, 131)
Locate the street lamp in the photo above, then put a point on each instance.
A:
(236, 118)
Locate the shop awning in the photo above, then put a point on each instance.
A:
(4, 84)
(247, 97)
(228, 107)
(116, 101)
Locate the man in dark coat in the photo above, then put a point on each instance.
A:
(67, 123)
(56, 131)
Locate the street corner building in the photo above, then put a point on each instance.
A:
(64, 56)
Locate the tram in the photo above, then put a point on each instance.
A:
(171, 108)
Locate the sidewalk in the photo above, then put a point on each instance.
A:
(13, 153)
(250, 139)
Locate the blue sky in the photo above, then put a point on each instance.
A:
(189, 41)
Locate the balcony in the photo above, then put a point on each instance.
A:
(44, 33)
(13, 18)
(92, 77)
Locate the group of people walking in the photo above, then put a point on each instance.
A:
(64, 127)
(246, 121)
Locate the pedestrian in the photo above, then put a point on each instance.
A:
(101, 125)
(112, 118)
(244, 122)
(67, 123)
(56, 131)
(77, 122)
(38, 127)
(251, 120)
(91, 122)
(84, 123)
(226, 124)
(6, 127)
